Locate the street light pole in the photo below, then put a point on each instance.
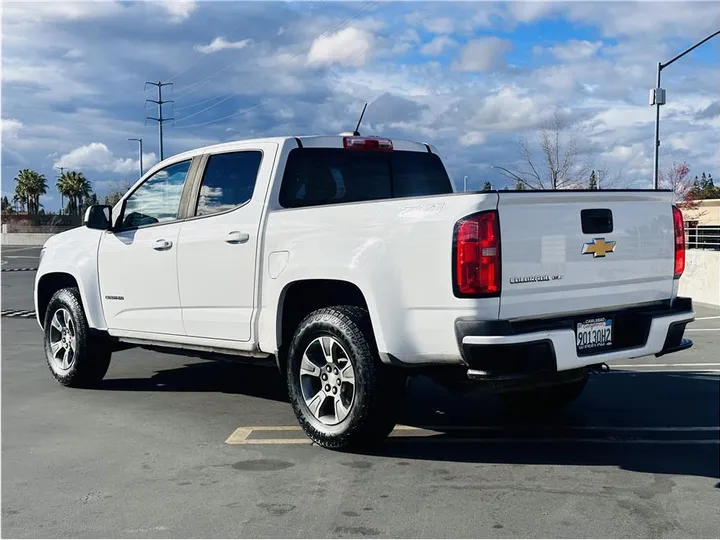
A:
(657, 98)
(141, 165)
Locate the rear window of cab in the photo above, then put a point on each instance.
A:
(319, 176)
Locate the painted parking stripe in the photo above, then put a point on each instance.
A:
(699, 371)
(18, 313)
(436, 434)
(702, 329)
(707, 318)
(688, 365)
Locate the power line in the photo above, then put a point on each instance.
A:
(176, 109)
(207, 108)
(160, 120)
(263, 102)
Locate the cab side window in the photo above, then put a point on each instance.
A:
(157, 200)
(229, 181)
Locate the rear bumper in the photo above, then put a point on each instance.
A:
(502, 350)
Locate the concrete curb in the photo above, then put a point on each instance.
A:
(19, 270)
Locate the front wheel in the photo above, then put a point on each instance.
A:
(75, 357)
(341, 392)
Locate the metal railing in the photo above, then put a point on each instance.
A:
(702, 237)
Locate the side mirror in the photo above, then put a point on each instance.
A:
(98, 216)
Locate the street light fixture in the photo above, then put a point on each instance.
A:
(658, 97)
(141, 165)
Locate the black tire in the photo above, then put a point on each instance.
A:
(543, 400)
(91, 357)
(378, 387)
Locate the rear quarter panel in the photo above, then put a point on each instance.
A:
(397, 252)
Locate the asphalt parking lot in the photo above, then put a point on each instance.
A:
(173, 446)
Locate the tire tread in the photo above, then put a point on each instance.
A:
(92, 353)
(376, 415)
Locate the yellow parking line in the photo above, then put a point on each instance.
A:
(241, 434)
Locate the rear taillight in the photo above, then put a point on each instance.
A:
(477, 255)
(367, 143)
(679, 242)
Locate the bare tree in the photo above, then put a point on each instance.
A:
(677, 178)
(608, 180)
(561, 167)
(116, 192)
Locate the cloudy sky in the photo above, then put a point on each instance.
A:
(469, 77)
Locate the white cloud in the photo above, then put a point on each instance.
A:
(57, 85)
(440, 25)
(483, 54)
(472, 138)
(220, 44)
(370, 24)
(98, 157)
(10, 128)
(179, 10)
(527, 12)
(575, 50)
(404, 42)
(349, 46)
(437, 45)
(648, 18)
(509, 110)
(73, 53)
(16, 12)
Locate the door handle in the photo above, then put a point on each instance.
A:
(237, 237)
(161, 244)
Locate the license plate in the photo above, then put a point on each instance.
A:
(593, 334)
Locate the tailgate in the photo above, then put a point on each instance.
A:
(550, 266)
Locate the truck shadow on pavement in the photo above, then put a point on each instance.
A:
(259, 381)
(662, 423)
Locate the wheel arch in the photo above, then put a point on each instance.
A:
(52, 281)
(301, 297)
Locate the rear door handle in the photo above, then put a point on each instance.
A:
(161, 244)
(237, 237)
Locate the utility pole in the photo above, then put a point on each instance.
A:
(159, 101)
(141, 167)
(658, 97)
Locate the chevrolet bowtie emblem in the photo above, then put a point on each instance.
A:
(598, 247)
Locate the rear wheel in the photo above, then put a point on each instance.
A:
(75, 357)
(341, 392)
(543, 400)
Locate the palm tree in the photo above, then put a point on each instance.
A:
(6, 206)
(76, 188)
(30, 186)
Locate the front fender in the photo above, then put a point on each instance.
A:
(74, 253)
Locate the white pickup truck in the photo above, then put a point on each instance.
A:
(352, 263)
